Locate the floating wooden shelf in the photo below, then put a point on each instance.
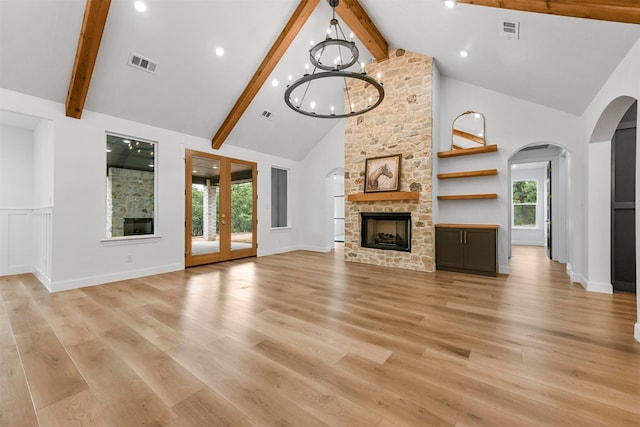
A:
(468, 151)
(468, 196)
(387, 195)
(468, 174)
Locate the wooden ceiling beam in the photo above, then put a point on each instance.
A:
(355, 17)
(288, 34)
(95, 18)
(626, 11)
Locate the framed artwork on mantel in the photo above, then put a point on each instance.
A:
(382, 174)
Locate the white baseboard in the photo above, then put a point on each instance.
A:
(601, 287)
(295, 248)
(46, 281)
(574, 277)
(527, 243)
(115, 277)
(636, 331)
(316, 248)
(504, 269)
(277, 251)
(17, 269)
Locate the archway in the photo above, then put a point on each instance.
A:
(547, 165)
(599, 195)
(334, 201)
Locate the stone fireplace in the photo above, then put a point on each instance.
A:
(402, 124)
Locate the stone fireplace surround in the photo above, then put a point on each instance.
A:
(402, 124)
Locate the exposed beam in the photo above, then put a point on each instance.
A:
(627, 11)
(95, 18)
(355, 17)
(288, 34)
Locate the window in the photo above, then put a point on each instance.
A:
(131, 181)
(279, 202)
(525, 200)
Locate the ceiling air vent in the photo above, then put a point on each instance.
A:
(266, 114)
(143, 63)
(510, 29)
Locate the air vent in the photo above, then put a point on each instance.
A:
(510, 29)
(266, 114)
(143, 63)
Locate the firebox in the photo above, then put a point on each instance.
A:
(134, 226)
(386, 230)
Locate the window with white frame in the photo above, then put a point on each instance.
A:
(131, 186)
(279, 197)
(525, 202)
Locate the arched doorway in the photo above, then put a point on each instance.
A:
(623, 203)
(609, 214)
(538, 193)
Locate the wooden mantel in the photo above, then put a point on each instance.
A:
(386, 195)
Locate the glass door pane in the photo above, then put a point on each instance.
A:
(242, 209)
(205, 206)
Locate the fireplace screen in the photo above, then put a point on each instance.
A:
(386, 230)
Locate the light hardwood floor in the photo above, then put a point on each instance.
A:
(305, 339)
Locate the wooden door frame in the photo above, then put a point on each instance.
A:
(225, 253)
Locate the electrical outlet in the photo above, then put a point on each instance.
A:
(129, 258)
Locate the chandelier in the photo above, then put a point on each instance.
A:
(333, 60)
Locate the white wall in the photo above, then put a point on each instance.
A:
(511, 123)
(326, 158)
(534, 236)
(16, 167)
(16, 198)
(80, 256)
(599, 224)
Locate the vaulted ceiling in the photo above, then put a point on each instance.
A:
(558, 61)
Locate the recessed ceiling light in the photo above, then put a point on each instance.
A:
(274, 82)
(450, 3)
(219, 51)
(140, 6)
(464, 53)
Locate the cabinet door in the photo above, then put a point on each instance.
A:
(449, 248)
(480, 250)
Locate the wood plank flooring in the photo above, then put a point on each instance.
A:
(305, 339)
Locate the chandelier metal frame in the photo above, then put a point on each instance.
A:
(339, 69)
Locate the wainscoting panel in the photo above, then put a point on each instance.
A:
(15, 241)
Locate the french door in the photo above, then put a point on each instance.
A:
(220, 209)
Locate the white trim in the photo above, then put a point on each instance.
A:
(636, 331)
(131, 240)
(277, 250)
(114, 277)
(600, 287)
(287, 228)
(527, 243)
(504, 269)
(324, 249)
(46, 281)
